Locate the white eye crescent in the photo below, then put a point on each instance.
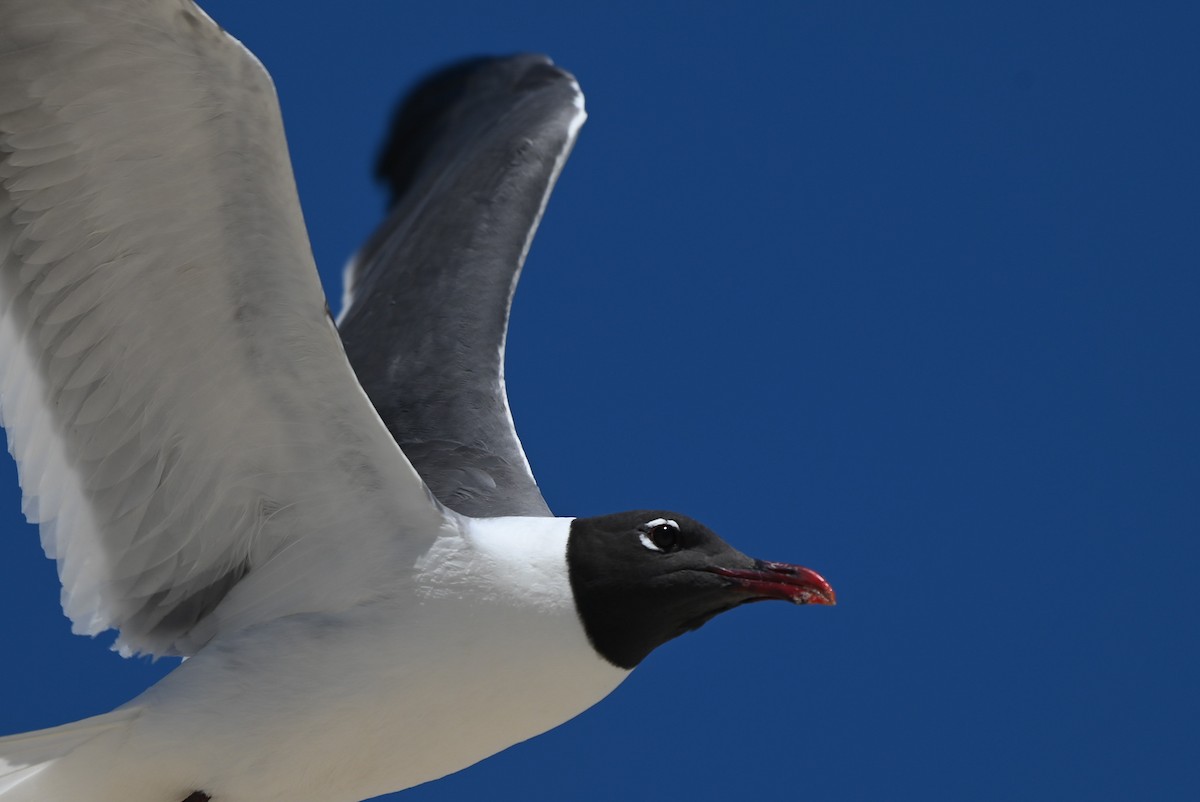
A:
(647, 542)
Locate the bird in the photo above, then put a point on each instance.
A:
(333, 522)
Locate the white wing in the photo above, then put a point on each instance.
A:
(175, 394)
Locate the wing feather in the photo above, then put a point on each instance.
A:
(473, 155)
(178, 402)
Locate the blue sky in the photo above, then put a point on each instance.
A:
(905, 294)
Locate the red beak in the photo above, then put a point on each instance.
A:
(780, 581)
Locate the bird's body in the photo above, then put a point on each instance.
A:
(430, 677)
(215, 481)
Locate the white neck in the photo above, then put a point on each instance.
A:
(518, 561)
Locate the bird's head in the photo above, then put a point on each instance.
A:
(641, 578)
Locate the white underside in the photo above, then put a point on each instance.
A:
(453, 667)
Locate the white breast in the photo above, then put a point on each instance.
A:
(482, 648)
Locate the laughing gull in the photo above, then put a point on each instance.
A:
(209, 471)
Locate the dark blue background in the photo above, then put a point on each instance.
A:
(903, 292)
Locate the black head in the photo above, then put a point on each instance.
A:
(641, 578)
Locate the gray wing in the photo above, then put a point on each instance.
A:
(189, 435)
(472, 157)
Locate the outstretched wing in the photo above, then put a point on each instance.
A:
(187, 428)
(473, 155)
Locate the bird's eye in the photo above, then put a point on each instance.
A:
(660, 535)
(664, 536)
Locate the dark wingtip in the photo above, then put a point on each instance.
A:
(440, 100)
(419, 118)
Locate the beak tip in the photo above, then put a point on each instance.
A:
(814, 588)
(825, 598)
